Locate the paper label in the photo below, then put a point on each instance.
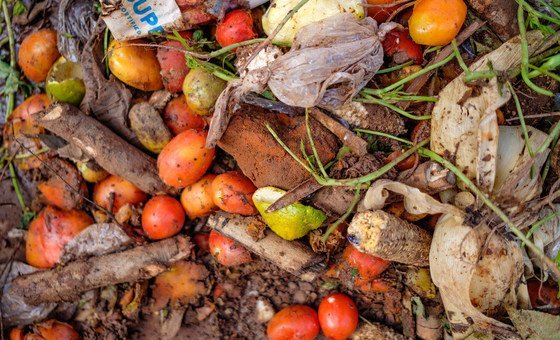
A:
(131, 19)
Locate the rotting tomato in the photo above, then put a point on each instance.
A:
(236, 27)
(436, 22)
(115, 192)
(185, 159)
(543, 296)
(338, 316)
(179, 117)
(399, 45)
(56, 330)
(296, 322)
(202, 241)
(226, 251)
(50, 231)
(37, 54)
(369, 267)
(162, 217)
(65, 187)
(134, 65)
(201, 90)
(182, 283)
(382, 11)
(173, 65)
(232, 192)
(197, 198)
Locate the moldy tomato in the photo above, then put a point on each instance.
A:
(294, 322)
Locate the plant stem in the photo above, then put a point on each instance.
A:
(551, 137)
(343, 218)
(11, 96)
(394, 68)
(521, 119)
(539, 223)
(383, 134)
(373, 100)
(312, 143)
(105, 47)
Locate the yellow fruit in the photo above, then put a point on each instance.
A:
(134, 65)
(291, 222)
(65, 82)
(201, 90)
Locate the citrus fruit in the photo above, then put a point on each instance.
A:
(65, 82)
(291, 222)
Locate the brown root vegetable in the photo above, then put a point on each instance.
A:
(148, 126)
(65, 187)
(381, 234)
(68, 282)
(100, 143)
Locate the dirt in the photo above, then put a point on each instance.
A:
(259, 155)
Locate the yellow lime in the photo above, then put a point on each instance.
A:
(291, 222)
(65, 82)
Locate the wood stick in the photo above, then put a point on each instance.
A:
(430, 177)
(291, 256)
(110, 151)
(357, 145)
(384, 235)
(68, 282)
(295, 195)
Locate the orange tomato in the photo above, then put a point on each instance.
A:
(37, 54)
(232, 192)
(226, 251)
(338, 316)
(294, 322)
(16, 334)
(162, 217)
(236, 27)
(381, 13)
(179, 117)
(184, 160)
(50, 231)
(56, 330)
(60, 189)
(369, 267)
(173, 65)
(197, 198)
(436, 22)
(118, 191)
(134, 65)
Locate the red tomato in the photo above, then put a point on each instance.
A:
(173, 65)
(232, 192)
(543, 295)
(179, 117)
(118, 191)
(16, 334)
(368, 266)
(202, 241)
(399, 45)
(162, 217)
(50, 231)
(226, 251)
(185, 159)
(297, 322)
(381, 13)
(338, 316)
(236, 27)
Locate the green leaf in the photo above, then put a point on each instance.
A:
(198, 35)
(19, 8)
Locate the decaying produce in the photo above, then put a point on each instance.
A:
(344, 169)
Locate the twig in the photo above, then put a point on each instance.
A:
(535, 116)
(332, 227)
(348, 138)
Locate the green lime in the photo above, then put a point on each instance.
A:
(291, 222)
(65, 82)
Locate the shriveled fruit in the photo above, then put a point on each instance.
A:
(162, 217)
(338, 316)
(294, 322)
(236, 27)
(65, 82)
(65, 187)
(226, 251)
(197, 198)
(115, 192)
(368, 266)
(179, 117)
(291, 222)
(232, 192)
(399, 45)
(50, 231)
(183, 283)
(134, 65)
(185, 159)
(406, 164)
(147, 125)
(56, 330)
(173, 65)
(201, 90)
(436, 22)
(37, 54)
(382, 9)
(91, 171)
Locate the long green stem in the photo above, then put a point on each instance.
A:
(383, 134)
(521, 119)
(11, 96)
(372, 100)
(312, 144)
(536, 13)
(394, 68)
(539, 223)
(551, 137)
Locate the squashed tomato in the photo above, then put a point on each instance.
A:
(162, 217)
(436, 22)
(236, 27)
(383, 9)
(401, 47)
(297, 322)
(368, 266)
(232, 193)
(226, 251)
(338, 316)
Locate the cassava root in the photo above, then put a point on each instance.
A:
(68, 282)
